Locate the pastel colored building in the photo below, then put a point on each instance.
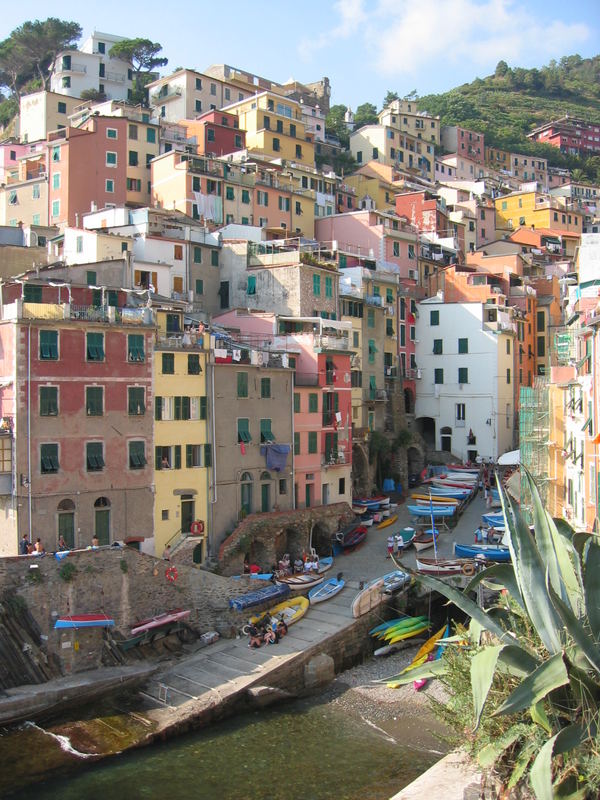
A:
(190, 184)
(461, 141)
(532, 208)
(42, 112)
(77, 383)
(404, 116)
(572, 136)
(182, 445)
(215, 133)
(186, 93)
(395, 148)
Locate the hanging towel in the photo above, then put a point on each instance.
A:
(253, 357)
(284, 360)
(220, 353)
(276, 455)
(243, 448)
(265, 358)
(237, 355)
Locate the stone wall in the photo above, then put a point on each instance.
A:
(266, 537)
(125, 584)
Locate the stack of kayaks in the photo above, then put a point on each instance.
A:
(422, 655)
(396, 630)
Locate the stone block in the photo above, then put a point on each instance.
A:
(319, 671)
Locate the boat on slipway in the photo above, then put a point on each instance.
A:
(489, 552)
(84, 621)
(326, 590)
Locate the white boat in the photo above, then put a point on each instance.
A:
(326, 590)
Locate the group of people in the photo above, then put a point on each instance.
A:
(268, 631)
(307, 562)
(485, 535)
(31, 548)
(395, 545)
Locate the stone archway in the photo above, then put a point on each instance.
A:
(426, 428)
(321, 539)
(360, 470)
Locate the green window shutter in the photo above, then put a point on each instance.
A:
(177, 407)
(199, 287)
(197, 254)
(434, 317)
(203, 406)
(95, 346)
(437, 347)
(313, 403)
(316, 285)
(136, 400)
(371, 318)
(49, 458)
(463, 375)
(389, 295)
(336, 401)
(242, 384)
(265, 388)
(251, 287)
(214, 258)
(185, 408)
(296, 444)
(438, 376)
(168, 363)
(135, 347)
(243, 430)
(49, 345)
(194, 364)
(177, 450)
(266, 434)
(296, 403)
(94, 397)
(158, 408)
(207, 455)
(94, 456)
(328, 287)
(312, 441)
(372, 351)
(403, 335)
(189, 455)
(463, 345)
(48, 401)
(158, 458)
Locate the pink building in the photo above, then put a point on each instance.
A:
(215, 133)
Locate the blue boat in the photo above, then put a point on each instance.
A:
(436, 511)
(85, 621)
(251, 599)
(261, 576)
(490, 552)
(395, 580)
(326, 590)
(447, 491)
(493, 520)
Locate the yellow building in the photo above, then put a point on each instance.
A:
(42, 112)
(395, 148)
(380, 182)
(520, 209)
(404, 115)
(183, 454)
(274, 128)
(24, 201)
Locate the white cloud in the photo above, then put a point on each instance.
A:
(402, 38)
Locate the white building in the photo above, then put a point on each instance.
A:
(465, 395)
(92, 67)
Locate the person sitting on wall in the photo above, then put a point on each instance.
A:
(255, 635)
(298, 565)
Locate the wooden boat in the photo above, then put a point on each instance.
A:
(449, 491)
(261, 576)
(436, 500)
(378, 501)
(394, 581)
(351, 537)
(289, 611)
(490, 552)
(407, 535)
(325, 563)
(461, 477)
(446, 566)
(367, 521)
(84, 621)
(436, 511)
(326, 590)
(388, 521)
(422, 541)
(304, 581)
(464, 468)
(368, 598)
(493, 520)
(160, 620)
(249, 599)
(359, 509)
(450, 484)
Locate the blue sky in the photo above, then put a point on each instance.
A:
(365, 47)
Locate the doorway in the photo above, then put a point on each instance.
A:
(187, 510)
(102, 520)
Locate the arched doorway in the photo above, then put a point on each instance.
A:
(265, 491)
(426, 427)
(409, 401)
(66, 522)
(246, 494)
(446, 437)
(321, 540)
(102, 520)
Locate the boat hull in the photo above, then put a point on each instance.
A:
(370, 597)
(84, 621)
(489, 551)
(326, 590)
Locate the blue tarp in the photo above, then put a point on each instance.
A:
(250, 599)
(276, 455)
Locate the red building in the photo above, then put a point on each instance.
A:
(425, 210)
(77, 407)
(215, 133)
(572, 136)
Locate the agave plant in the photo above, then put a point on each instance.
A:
(542, 643)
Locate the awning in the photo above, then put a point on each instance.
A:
(510, 459)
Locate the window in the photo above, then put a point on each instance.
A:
(316, 285)
(214, 258)
(229, 193)
(133, 132)
(245, 196)
(94, 401)
(48, 401)
(181, 408)
(460, 412)
(62, 108)
(35, 220)
(312, 441)
(296, 403)
(508, 375)
(355, 339)
(328, 286)
(396, 248)
(94, 346)
(372, 351)
(48, 345)
(101, 47)
(56, 153)
(438, 376)
(168, 363)
(151, 135)
(94, 456)
(56, 208)
(193, 455)
(66, 82)
(109, 186)
(313, 403)
(438, 347)
(508, 347)
(434, 317)
(137, 455)
(198, 105)
(136, 400)
(237, 139)
(111, 158)
(541, 321)
(463, 345)
(133, 158)
(463, 375)
(243, 430)
(49, 459)
(296, 444)
(35, 191)
(262, 198)
(194, 367)
(242, 384)
(213, 89)
(265, 388)
(251, 285)
(134, 185)
(178, 252)
(55, 185)
(199, 286)
(370, 318)
(266, 434)
(276, 145)
(298, 151)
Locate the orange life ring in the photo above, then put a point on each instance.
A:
(171, 574)
(197, 527)
(468, 569)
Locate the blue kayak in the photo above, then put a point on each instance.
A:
(326, 590)
(436, 511)
(491, 552)
(493, 520)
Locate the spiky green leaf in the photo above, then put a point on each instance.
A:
(582, 638)
(489, 754)
(431, 669)
(547, 677)
(521, 765)
(591, 583)
(540, 774)
(518, 661)
(502, 574)
(483, 669)
(539, 716)
(531, 577)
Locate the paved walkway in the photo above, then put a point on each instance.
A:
(228, 666)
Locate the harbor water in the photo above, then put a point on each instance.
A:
(310, 749)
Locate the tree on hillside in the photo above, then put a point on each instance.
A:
(389, 98)
(144, 58)
(366, 114)
(336, 124)
(501, 69)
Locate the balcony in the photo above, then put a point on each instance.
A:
(377, 395)
(72, 67)
(165, 94)
(334, 458)
(331, 343)
(115, 77)
(360, 434)
(374, 300)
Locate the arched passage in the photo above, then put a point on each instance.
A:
(426, 427)
(446, 437)
(321, 540)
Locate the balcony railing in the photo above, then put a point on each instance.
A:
(162, 97)
(334, 458)
(81, 68)
(115, 77)
(374, 300)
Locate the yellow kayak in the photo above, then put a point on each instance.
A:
(409, 634)
(387, 522)
(445, 501)
(423, 652)
(289, 610)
